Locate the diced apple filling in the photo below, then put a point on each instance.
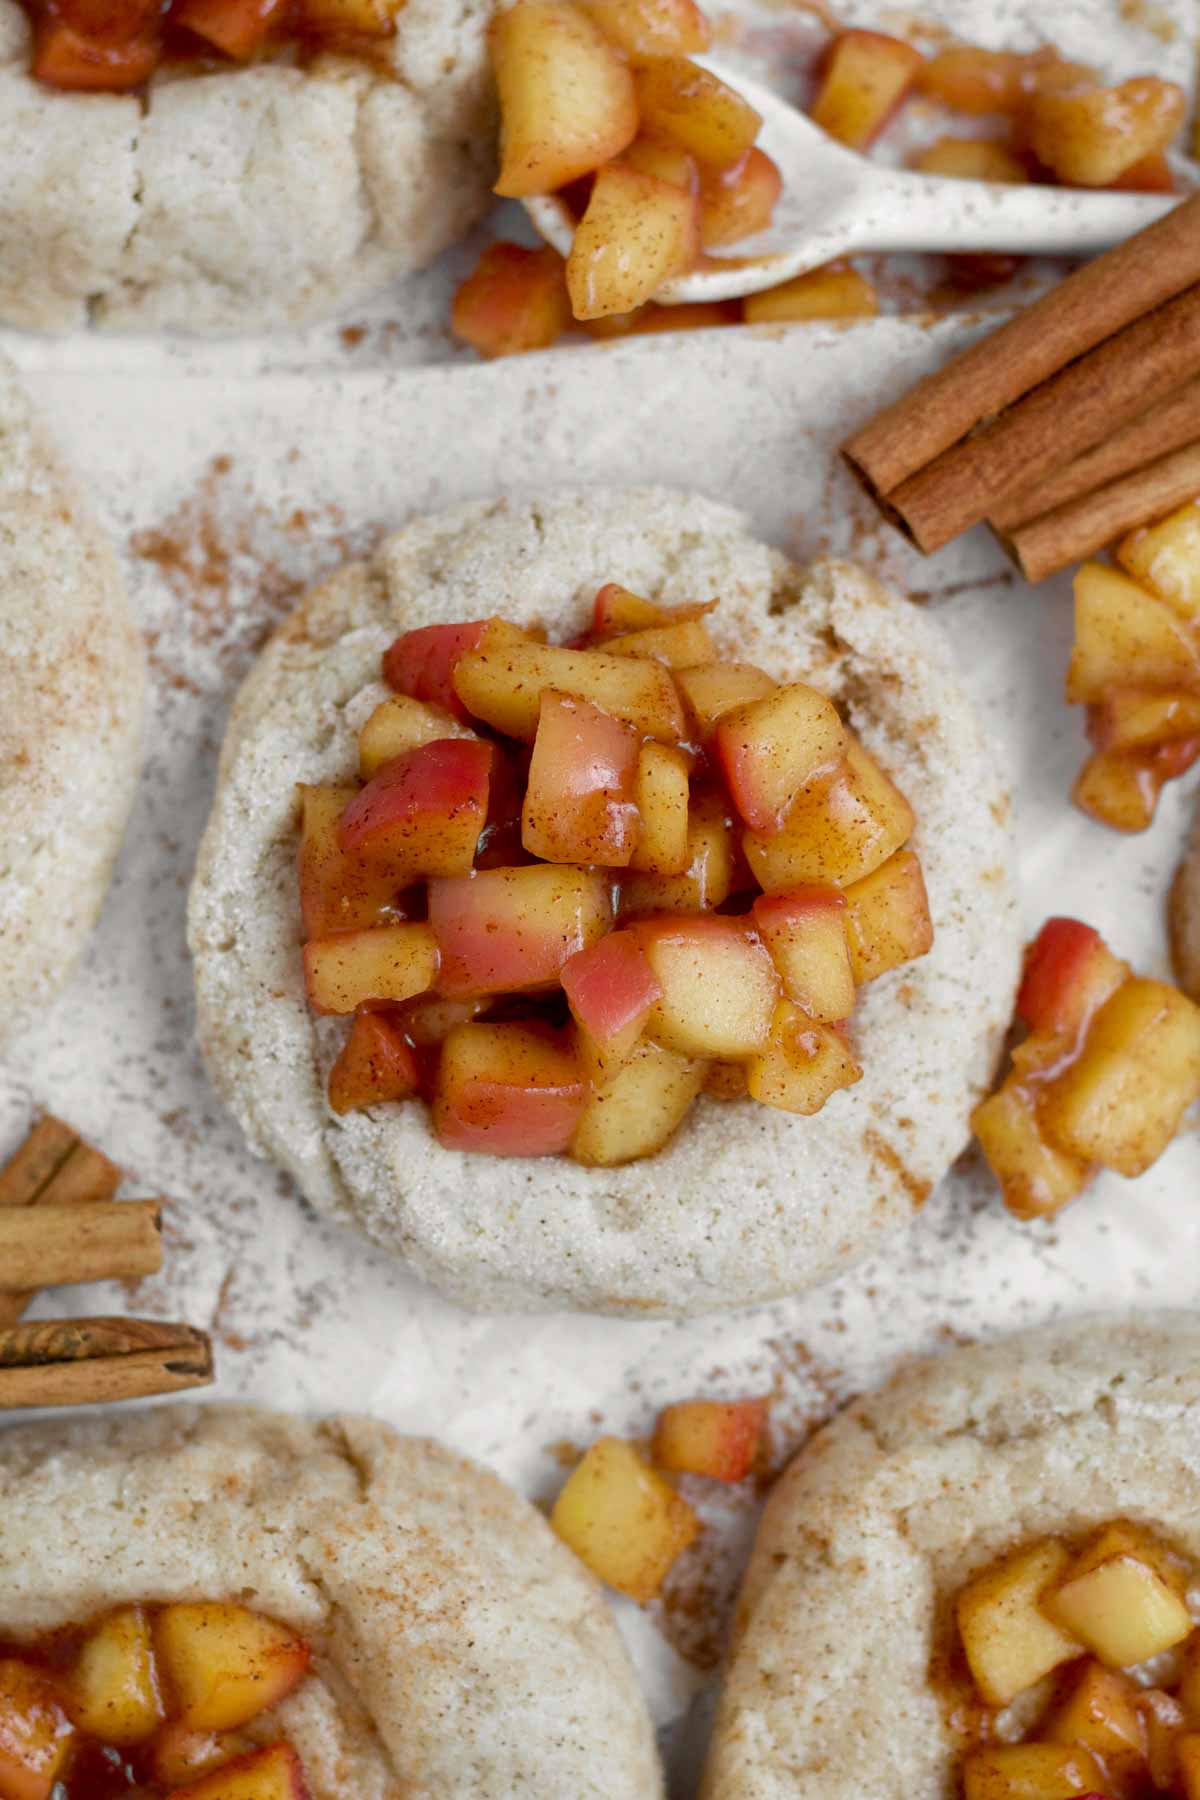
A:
(673, 877)
(157, 1694)
(623, 1519)
(717, 1438)
(1110, 1066)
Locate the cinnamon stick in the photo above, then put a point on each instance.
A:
(44, 1246)
(1082, 527)
(1098, 300)
(78, 1362)
(1168, 426)
(1068, 414)
(53, 1165)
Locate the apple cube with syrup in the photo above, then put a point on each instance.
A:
(240, 28)
(179, 1754)
(713, 689)
(567, 100)
(1009, 1641)
(610, 988)
(1164, 1720)
(1036, 1179)
(1090, 136)
(1032, 1772)
(679, 645)
(837, 831)
(579, 802)
(1166, 558)
(832, 292)
(771, 750)
(113, 1689)
(377, 1064)
(803, 1064)
(1137, 718)
(805, 932)
(1120, 1101)
(887, 917)
(507, 1090)
(36, 1738)
(707, 877)
(422, 662)
(223, 1664)
(1069, 973)
(1187, 1764)
(661, 794)
(385, 964)
(502, 683)
(271, 1774)
(637, 1110)
(511, 930)
(1121, 788)
(737, 202)
(616, 610)
(1122, 1598)
(696, 109)
(1101, 1714)
(398, 724)
(717, 1438)
(719, 986)
(636, 233)
(423, 813)
(1121, 629)
(514, 300)
(867, 74)
(645, 29)
(622, 1519)
(337, 892)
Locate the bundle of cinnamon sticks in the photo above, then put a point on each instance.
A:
(1075, 422)
(59, 1224)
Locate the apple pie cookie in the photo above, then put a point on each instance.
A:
(72, 675)
(993, 1556)
(1183, 916)
(241, 1605)
(273, 162)
(691, 869)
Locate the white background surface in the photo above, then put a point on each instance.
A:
(233, 476)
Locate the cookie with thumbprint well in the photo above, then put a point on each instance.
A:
(975, 1582)
(236, 1604)
(601, 911)
(72, 675)
(215, 166)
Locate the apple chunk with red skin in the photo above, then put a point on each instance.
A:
(223, 1664)
(1069, 973)
(511, 930)
(377, 1064)
(423, 813)
(507, 1090)
(356, 968)
(804, 931)
(719, 986)
(36, 1738)
(610, 988)
(422, 662)
(579, 799)
(275, 1773)
(717, 1438)
(337, 892)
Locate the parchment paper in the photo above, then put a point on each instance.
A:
(231, 480)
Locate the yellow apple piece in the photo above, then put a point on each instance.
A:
(353, 968)
(502, 684)
(514, 300)
(971, 80)
(867, 75)
(719, 986)
(1163, 1718)
(617, 611)
(1101, 1714)
(400, 723)
(1187, 1764)
(1136, 718)
(622, 1519)
(805, 933)
(714, 689)
(507, 1090)
(645, 29)
(707, 877)
(772, 749)
(504, 931)
(113, 1689)
(1008, 1639)
(271, 1774)
(36, 1737)
(579, 804)
(1120, 1102)
(802, 1065)
(716, 1438)
(636, 233)
(836, 832)
(223, 1664)
(661, 795)
(679, 100)
(737, 202)
(1166, 558)
(887, 917)
(1118, 788)
(834, 292)
(1123, 631)
(1031, 1772)
(180, 1755)
(970, 159)
(1036, 1179)
(668, 161)
(566, 96)
(337, 892)
(637, 1111)
(1122, 1598)
(1089, 136)
(678, 645)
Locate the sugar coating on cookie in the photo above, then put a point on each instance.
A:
(743, 1204)
(246, 198)
(72, 677)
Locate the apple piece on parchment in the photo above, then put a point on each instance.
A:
(833, 292)
(1037, 1180)
(1069, 973)
(1166, 558)
(223, 1664)
(1123, 630)
(507, 1090)
(622, 1519)
(566, 96)
(717, 1438)
(514, 300)
(1089, 136)
(866, 76)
